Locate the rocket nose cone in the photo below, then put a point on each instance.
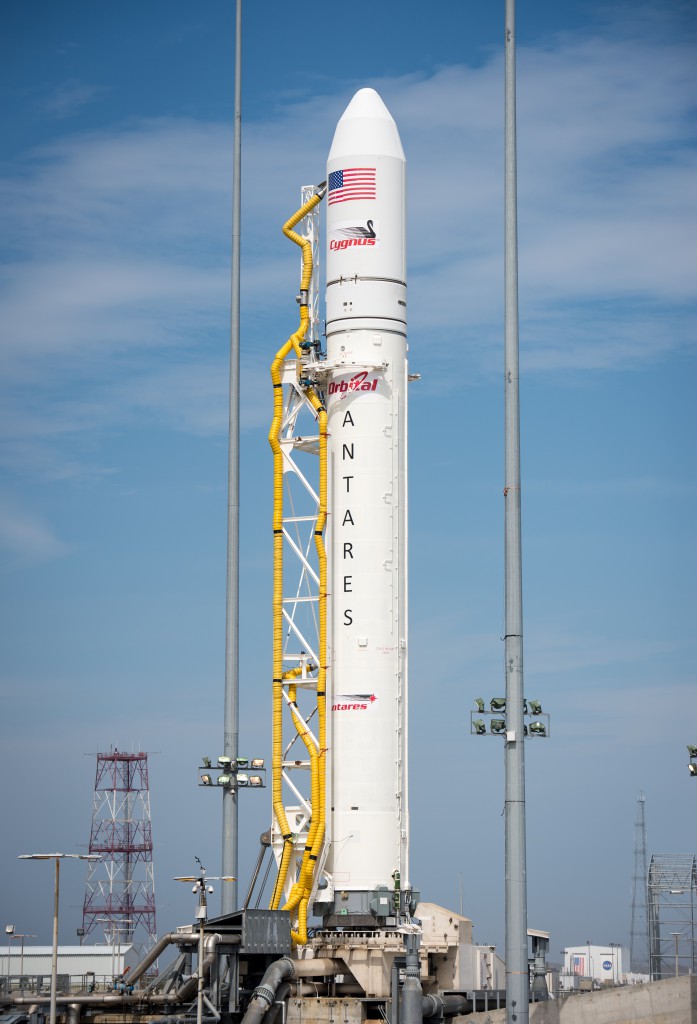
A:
(366, 126)
(367, 103)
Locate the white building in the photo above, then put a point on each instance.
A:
(74, 963)
(606, 965)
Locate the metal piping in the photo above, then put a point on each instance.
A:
(172, 938)
(283, 970)
(445, 1006)
(264, 995)
(411, 999)
(181, 995)
(282, 993)
(319, 967)
(73, 1013)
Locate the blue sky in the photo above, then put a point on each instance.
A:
(114, 308)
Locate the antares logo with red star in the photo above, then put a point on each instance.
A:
(353, 701)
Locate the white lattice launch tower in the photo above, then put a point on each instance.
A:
(120, 888)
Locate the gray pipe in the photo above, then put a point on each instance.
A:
(320, 967)
(445, 1006)
(264, 995)
(410, 1010)
(180, 995)
(282, 993)
(172, 938)
(73, 1013)
(285, 969)
(189, 988)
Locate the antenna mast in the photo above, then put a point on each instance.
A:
(120, 887)
(638, 933)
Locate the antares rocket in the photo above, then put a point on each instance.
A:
(343, 848)
(346, 847)
(366, 398)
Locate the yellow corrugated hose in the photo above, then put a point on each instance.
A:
(302, 889)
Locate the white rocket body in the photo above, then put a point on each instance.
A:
(366, 394)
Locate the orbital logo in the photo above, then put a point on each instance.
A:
(353, 701)
(359, 382)
(347, 234)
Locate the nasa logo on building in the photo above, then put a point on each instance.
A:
(607, 965)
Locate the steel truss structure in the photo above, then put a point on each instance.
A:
(639, 956)
(299, 441)
(672, 894)
(120, 888)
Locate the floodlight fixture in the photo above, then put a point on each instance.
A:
(498, 703)
(256, 780)
(692, 751)
(538, 729)
(479, 727)
(206, 762)
(242, 779)
(10, 929)
(498, 725)
(257, 762)
(480, 704)
(692, 768)
(535, 707)
(206, 780)
(242, 762)
(56, 858)
(224, 780)
(224, 761)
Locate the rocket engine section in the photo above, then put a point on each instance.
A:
(366, 396)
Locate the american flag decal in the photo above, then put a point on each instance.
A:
(352, 183)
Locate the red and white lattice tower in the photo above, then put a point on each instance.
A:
(120, 888)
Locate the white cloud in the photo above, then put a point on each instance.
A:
(70, 98)
(26, 536)
(115, 281)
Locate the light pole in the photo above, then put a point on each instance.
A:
(9, 931)
(12, 934)
(57, 857)
(615, 947)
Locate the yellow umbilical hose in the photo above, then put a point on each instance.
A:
(302, 889)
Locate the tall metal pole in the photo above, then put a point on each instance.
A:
(57, 857)
(9, 929)
(232, 620)
(54, 951)
(517, 985)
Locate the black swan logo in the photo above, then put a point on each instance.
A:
(359, 231)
